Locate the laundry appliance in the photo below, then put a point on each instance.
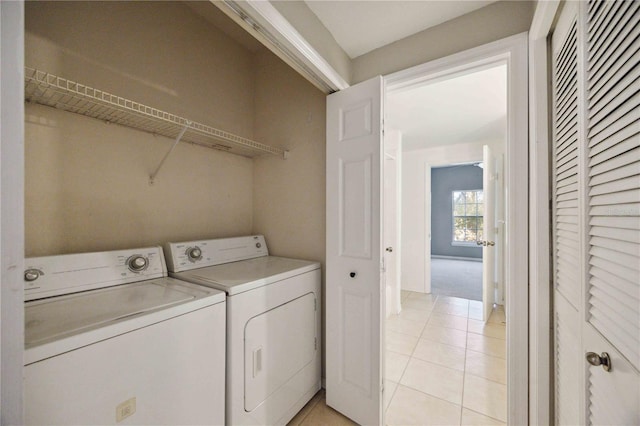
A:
(273, 323)
(110, 339)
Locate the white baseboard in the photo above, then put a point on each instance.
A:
(472, 259)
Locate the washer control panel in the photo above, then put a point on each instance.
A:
(198, 254)
(70, 273)
(194, 254)
(137, 263)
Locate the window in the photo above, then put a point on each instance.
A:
(467, 217)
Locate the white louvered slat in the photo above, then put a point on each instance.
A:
(609, 41)
(629, 120)
(627, 86)
(628, 158)
(622, 246)
(623, 135)
(620, 283)
(609, 38)
(613, 109)
(566, 180)
(630, 209)
(619, 185)
(615, 12)
(621, 315)
(613, 186)
(631, 196)
(623, 172)
(627, 300)
(625, 260)
(624, 222)
(629, 235)
(597, 16)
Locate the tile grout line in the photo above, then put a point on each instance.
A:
(466, 351)
(464, 376)
(429, 312)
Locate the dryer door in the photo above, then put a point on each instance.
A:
(278, 345)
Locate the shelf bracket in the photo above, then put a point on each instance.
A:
(155, 173)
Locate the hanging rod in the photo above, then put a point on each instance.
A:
(50, 90)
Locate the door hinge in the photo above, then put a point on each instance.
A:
(315, 304)
(315, 343)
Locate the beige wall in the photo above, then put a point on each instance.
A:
(87, 182)
(289, 195)
(491, 23)
(158, 53)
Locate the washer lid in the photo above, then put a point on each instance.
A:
(65, 322)
(238, 277)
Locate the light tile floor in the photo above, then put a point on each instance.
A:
(444, 366)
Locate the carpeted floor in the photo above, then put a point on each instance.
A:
(457, 278)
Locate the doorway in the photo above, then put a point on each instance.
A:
(356, 257)
(442, 354)
(457, 225)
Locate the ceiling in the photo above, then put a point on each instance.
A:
(465, 108)
(468, 108)
(362, 26)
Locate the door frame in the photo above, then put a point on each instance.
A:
(513, 51)
(541, 387)
(12, 210)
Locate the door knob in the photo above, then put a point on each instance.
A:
(491, 243)
(479, 242)
(603, 359)
(389, 249)
(352, 274)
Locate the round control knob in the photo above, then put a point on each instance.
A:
(194, 253)
(137, 263)
(31, 274)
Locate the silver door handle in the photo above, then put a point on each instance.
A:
(485, 243)
(603, 359)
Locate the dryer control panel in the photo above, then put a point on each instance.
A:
(189, 255)
(71, 273)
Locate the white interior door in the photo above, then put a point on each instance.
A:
(489, 232)
(611, 161)
(596, 215)
(354, 291)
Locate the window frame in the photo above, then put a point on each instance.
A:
(453, 217)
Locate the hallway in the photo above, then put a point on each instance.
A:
(444, 366)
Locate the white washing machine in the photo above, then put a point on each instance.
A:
(273, 323)
(110, 339)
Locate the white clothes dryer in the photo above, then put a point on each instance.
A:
(110, 339)
(273, 323)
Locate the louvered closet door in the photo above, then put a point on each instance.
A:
(613, 210)
(568, 239)
(596, 200)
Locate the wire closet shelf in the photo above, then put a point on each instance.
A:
(50, 90)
